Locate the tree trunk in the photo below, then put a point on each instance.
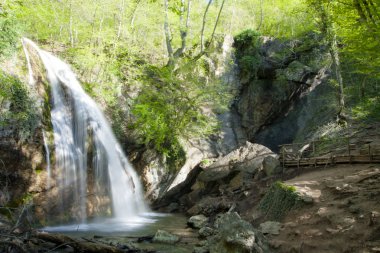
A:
(337, 69)
(261, 15)
(167, 34)
(204, 24)
(133, 15)
(184, 27)
(78, 246)
(362, 88)
(216, 22)
(121, 15)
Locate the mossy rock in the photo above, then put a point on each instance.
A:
(279, 200)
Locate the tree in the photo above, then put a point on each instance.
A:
(327, 27)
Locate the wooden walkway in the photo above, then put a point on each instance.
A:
(323, 153)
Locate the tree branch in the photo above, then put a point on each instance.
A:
(204, 24)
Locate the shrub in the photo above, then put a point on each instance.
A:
(247, 51)
(17, 107)
(9, 28)
(279, 200)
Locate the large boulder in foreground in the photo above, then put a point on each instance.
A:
(234, 235)
(197, 221)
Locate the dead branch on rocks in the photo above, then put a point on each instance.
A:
(13, 245)
(81, 246)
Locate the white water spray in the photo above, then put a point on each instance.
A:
(83, 140)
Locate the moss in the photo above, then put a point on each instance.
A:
(22, 113)
(279, 200)
(206, 162)
(247, 46)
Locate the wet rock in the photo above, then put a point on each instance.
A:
(197, 221)
(206, 232)
(163, 236)
(270, 227)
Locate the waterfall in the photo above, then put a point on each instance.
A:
(83, 143)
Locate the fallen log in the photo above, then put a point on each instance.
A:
(79, 246)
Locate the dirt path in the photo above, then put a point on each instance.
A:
(344, 215)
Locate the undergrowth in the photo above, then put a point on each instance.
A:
(279, 200)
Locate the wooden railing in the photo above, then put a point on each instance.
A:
(322, 153)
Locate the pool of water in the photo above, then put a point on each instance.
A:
(114, 225)
(128, 230)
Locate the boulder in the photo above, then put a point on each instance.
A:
(271, 166)
(197, 221)
(206, 232)
(201, 247)
(163, 236)
(241, 159)
(210, 206)
(234, 235)
(270, 227)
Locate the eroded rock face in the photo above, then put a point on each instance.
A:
(214, 188)
(247, 158)
(277, 97)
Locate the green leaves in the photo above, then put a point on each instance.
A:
(9, 29)
(169, 109)
(21, 113)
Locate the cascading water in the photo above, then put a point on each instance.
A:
(83, 142)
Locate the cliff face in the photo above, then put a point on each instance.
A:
(282, 93)
(285, 91)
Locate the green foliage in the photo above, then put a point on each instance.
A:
(367, 110)
(16, 106)
(169, 108)
(247, 46)
(206, 162)
(247, 40)
(279, 200)
(9, 29)
(357, 29)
